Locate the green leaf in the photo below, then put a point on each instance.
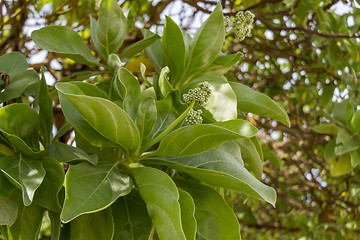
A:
(89, 89)
(272, 157)
(355, 158)
(328, 92)
(18, 114)
(194, 139)
(222, 102)
(355, 122)
(74, 117)
(13, 63)
(8, 211)
(251, 156)
(341, 166)
(66, 153)
(162, 201)
(329, 151)
(164, 85)
(140, 45)
(173, 49)
(55, 225)
(131, 92)
(221, 167)
(166, 114)
(249, 100)
(90, 189)
(146, 119)
(47, 194)
(188, 220)
(93, 226)
(206, 44)
(27, 173)
(65, 41)
(28, 221)
(131, 219)
(45, 111)
(108, 33)
(222, 64)
(239, 126)
(154, 51)
(325, 128)
(19, 84)
(21, 146)
(118, 127)
(6, 188)
(64, 129)
(348, 146)
(342, 112)
(215, 219)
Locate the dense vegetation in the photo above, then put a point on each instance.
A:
(304, 54)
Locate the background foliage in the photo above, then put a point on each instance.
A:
(302, 53)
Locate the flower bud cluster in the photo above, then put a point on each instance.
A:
(194, 117)
(242, 24)
(200, 94)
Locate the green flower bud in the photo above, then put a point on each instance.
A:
(194, 117)
(200, 94)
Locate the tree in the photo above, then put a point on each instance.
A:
(147, 149)
(301, 53)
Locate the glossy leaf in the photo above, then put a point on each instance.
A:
(90, 189)
(221, 167)
(131, 219)
(355, 122)
(343, 112)
(194, 139)
(241, 127)
(108, 33)
(222, 102)
(215, 219)
(65, 41)
(251, 156)
(13, 63)
(45, 111)
(74, 117)
(206, 44)
(249, 100)
(139, 46)
(187, 214)
(131, 92)
(162, 201)
(164, 84)
(146, 119)
(18, 119)
(47, 194)
(118, 127)
(173, 49)
(66, 153)
(93, 226)
(28, 174)
(19, 84)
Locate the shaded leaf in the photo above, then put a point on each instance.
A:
(188, 220)
(131, 219)
(66, 153)
(215, 219)
(93, 226)
(139, 46)
(146, 119)
(13, 63)
(161, 197)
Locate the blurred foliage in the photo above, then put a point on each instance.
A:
(302, 53)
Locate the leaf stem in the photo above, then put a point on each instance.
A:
(172, 125)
